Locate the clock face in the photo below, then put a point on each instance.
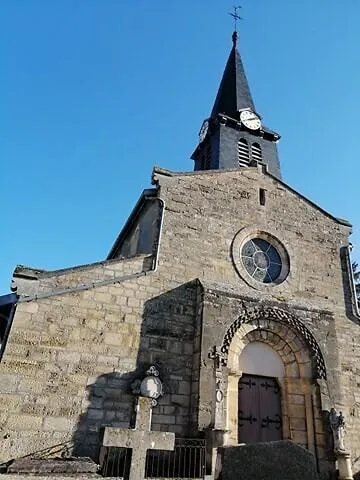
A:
(203, 131)
(250, 120)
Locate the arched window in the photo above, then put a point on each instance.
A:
(256, 152)
(243, 152)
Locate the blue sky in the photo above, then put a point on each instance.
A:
(93, 93)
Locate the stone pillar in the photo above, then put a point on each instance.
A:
(214, 439)
(220, 375)
(344, 466)
(232, 412)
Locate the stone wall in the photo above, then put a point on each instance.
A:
(302, 418)
(31, 283)
(71, 359)
(204, 212)
(74, 353)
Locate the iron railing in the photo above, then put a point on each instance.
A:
(186, 461)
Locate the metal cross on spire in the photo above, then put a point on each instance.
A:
(236, 17)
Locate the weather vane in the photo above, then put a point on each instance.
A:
(236, 16)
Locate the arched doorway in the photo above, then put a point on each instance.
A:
(259, 394)
(302, 379)
(276, 353)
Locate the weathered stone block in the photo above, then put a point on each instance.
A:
(30, 307)
(59, 424)
(95, 414)
(53, 466)
(8, 383)
(68, 356)
(276, 460)
(11, 403)
(24, 422)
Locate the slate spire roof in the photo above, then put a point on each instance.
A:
(234, 92)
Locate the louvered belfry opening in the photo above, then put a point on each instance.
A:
(243, 153)
(256, 152)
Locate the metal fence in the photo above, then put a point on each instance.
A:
(186, 461)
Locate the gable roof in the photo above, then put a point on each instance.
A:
(169, 173)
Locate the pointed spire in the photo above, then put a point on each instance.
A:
(234, 92)
(234, 38)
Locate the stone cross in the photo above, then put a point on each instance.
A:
(139, 439)
(218, 356)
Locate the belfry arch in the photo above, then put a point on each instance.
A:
(298, 363)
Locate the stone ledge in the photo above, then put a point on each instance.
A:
(14, 476)
(53, 466)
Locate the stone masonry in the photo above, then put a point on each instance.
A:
(81, 336)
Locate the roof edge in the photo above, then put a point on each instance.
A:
(149, 192)
(30, 273)
(169, 173)
(8, 298)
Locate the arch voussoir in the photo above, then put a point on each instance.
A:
(276, 321)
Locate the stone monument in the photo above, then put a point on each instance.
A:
(337, 424)
(277, 460)
(141, 438)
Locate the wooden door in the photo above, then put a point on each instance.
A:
(259, 414)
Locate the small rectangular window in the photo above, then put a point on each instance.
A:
(262, 192)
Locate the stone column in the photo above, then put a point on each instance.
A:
(214, 439)
(232, 412)
(344, 466)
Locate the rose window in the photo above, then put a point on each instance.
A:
(261, 260)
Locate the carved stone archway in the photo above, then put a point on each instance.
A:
(296, 384)
(261, 318)
(304, 369)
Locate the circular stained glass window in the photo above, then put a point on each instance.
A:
(261, 260)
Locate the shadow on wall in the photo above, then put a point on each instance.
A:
(108, 403)
(167, 337)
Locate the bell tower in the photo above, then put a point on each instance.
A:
(234, 135)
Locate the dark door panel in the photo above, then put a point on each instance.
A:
(259, 417)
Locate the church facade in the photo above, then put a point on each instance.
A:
(235, 286)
